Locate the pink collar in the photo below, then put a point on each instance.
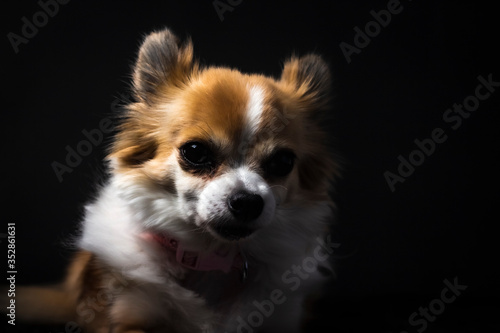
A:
(199, 261)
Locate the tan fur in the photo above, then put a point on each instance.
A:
(53, 303)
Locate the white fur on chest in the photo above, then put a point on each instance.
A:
(111, 230)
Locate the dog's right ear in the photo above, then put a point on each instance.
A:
(310, 78)
(162, 61)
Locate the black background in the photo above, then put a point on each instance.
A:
(396, 247)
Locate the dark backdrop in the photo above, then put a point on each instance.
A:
(397, 247)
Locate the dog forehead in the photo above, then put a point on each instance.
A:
(226, 106)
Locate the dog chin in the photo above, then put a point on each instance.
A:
(226, 229)
(231, 233)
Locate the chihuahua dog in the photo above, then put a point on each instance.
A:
(215, 214)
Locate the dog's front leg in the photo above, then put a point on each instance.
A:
(124, 329)
(155, 309)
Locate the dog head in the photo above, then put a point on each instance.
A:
(216, 153)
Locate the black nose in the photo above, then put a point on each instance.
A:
(245, 206)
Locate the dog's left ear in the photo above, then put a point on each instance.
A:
(310, 77)
(163, 60)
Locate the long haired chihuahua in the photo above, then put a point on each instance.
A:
(216, 211)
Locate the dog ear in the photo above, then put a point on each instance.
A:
(310, 78)
(162, 61)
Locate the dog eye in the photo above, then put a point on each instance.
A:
(196, 154)
(280, 164)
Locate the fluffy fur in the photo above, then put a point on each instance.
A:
(119, 282)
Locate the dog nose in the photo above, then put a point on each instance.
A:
(245, 206)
